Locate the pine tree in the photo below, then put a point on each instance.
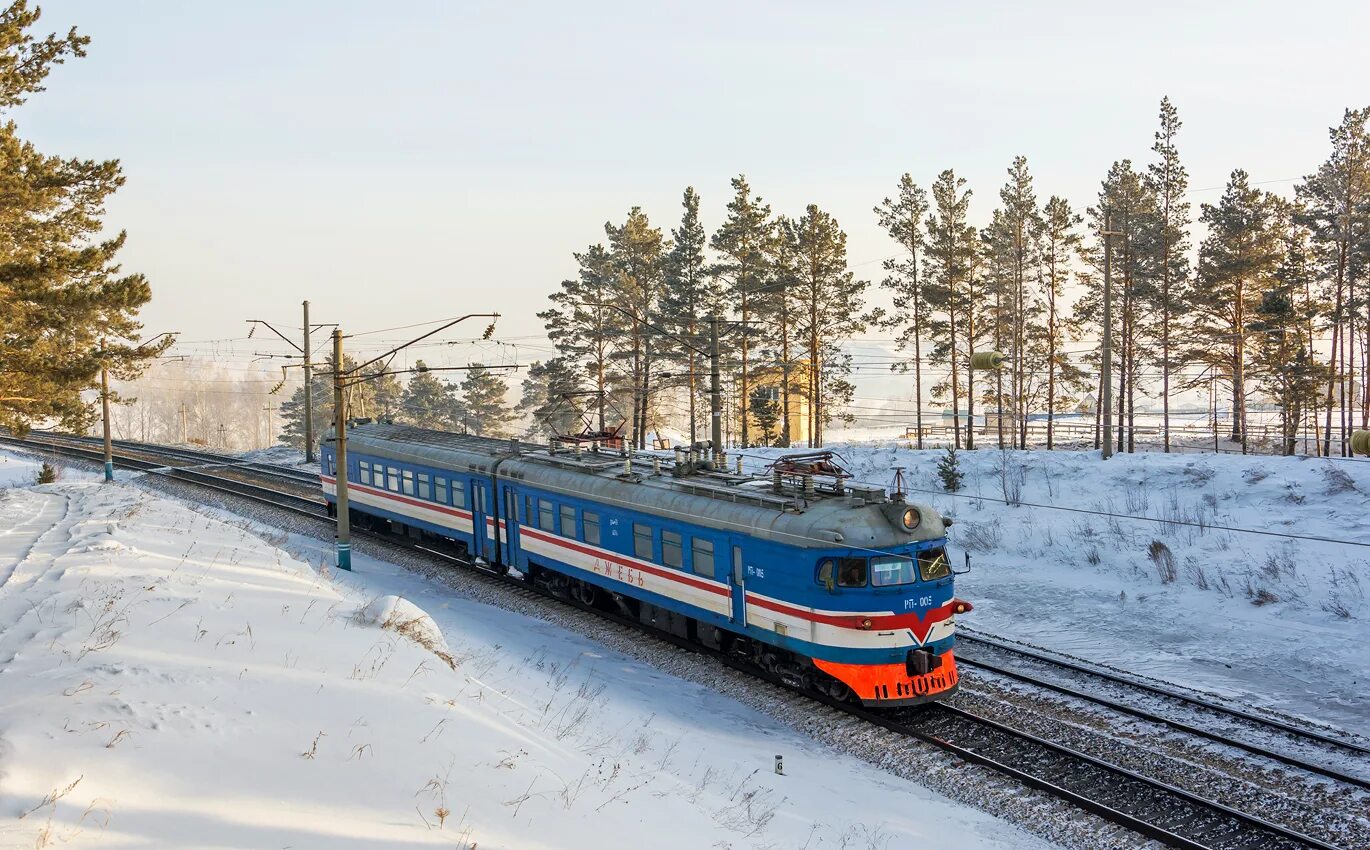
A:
(766, 413)
(829, 303)
(1126, 206)
(482, 406)
(743, 243)
(1282, 353)
(950, 258)
(782, 309)
(66, 308)
(638, 254)
(548, 401)
(1022, 222)
(902, 219)
(1237, 264)
(584, 327)
(1060, 243)
(690, 295)
(1168, 181)
(428, 401)
(949, 470)
(1336, 205)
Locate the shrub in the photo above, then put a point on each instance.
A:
(48, 474)
(1164, 560)
(949, 470)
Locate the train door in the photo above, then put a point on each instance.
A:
(510, 515)
(480, 539)
(737, 581)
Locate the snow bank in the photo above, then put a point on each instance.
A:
(196, 686)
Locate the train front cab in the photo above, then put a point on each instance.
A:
(897, 647)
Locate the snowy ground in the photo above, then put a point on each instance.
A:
(1267, 620)
(170, 680)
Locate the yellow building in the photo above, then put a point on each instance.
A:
(766, 382)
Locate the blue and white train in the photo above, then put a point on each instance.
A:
(833, 587)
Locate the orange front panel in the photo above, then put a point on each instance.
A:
(880, 683)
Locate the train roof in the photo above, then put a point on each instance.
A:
(861, 517)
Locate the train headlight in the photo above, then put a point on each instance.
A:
(911, 518)
(866, 623)
(961, 606)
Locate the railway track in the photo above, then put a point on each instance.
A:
(1248, 724)
(1148, 806)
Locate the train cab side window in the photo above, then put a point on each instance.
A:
(851, 572)
(702, 556)
(642, 541)
(933, 564)
(591, 521)
(672, 552)
(408, 482)
(393, 479)
(827, 575)
(545, 515)
(425, 491)
(568, 521)
(364, 475)
(440, 490)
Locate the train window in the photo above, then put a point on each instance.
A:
(408, 482)
(545, 515)
(393, 479)
(459, 493)
(642, 541)
(851, 572)
(591, 521)
(364, 476)
(529, 512)
(825, 574)
(568, 521)
(672, 553)
(425, 491)
(702, 556)
(328, 464)
(440, 490)
(890, 570)
(932, 563)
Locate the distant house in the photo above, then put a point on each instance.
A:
(1086, 404)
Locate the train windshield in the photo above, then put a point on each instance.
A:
(890, 570)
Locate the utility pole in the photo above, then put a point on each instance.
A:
(104, 406)
(343, 545)
(715, 391)
(345, 378)
(185, 439)
(308, 393)
(1106, 364)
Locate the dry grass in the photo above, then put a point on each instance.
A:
(413, 629)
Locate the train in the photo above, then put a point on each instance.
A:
(831, 586)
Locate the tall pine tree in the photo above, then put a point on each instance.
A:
(902, 218)
(1168, 181)
(66, 307)
(743, 243)
(690, 295)
(951, 256)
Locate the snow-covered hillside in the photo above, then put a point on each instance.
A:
(170, 680)
(1272, 621)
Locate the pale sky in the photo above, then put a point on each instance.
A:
(401, 162)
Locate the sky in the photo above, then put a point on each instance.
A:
(398, 163)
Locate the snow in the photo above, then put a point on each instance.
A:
(169, 679)
(1265, 620)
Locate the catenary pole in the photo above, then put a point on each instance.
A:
(343, 545)
(1106, 361)
(715, 391)
(104, 407)
(308, 393)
